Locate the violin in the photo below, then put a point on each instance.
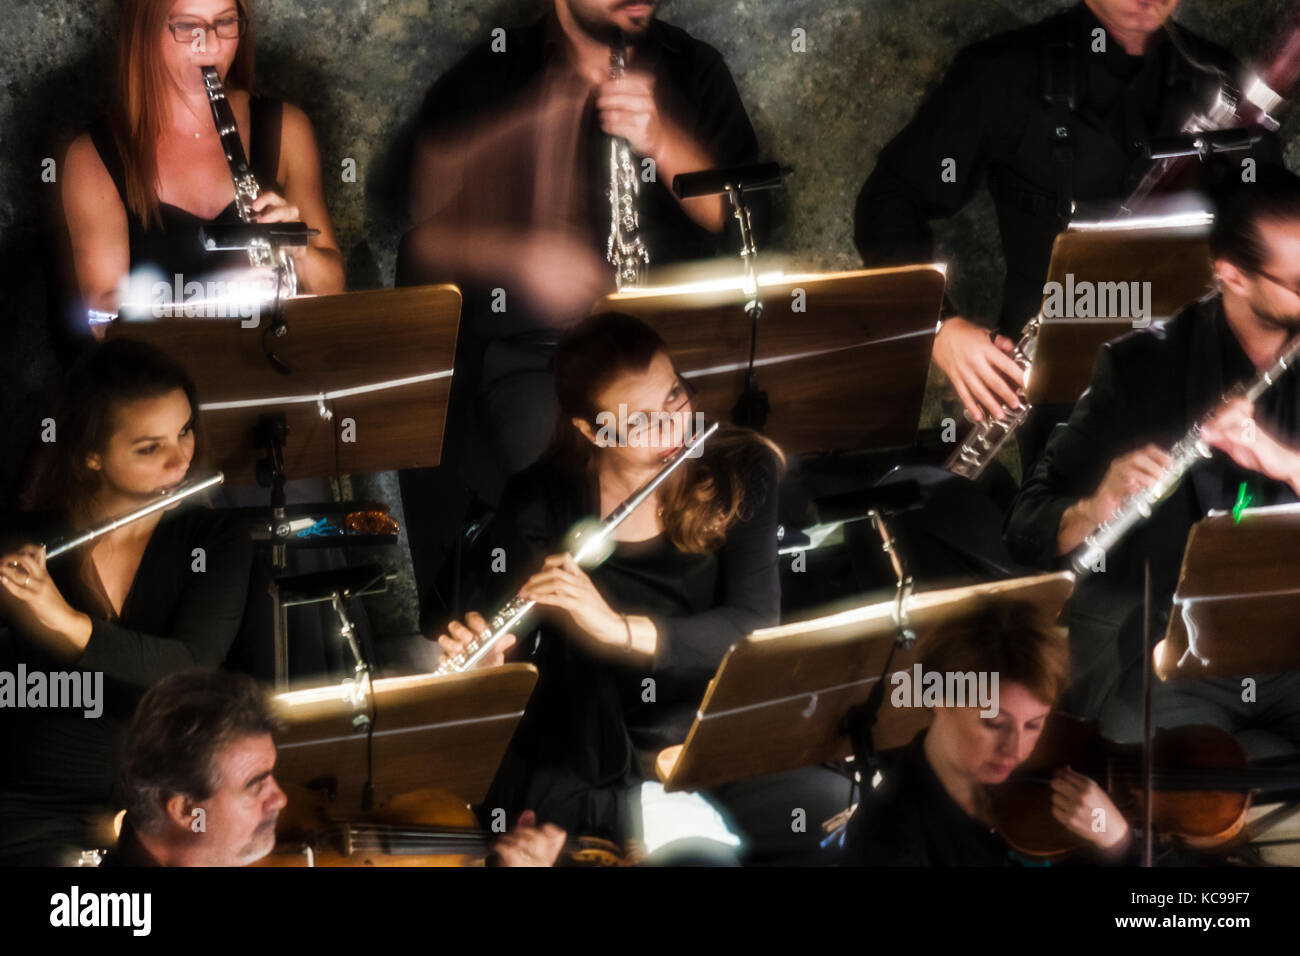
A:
(422, 828)
(1202, 783)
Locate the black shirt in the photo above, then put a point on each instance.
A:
(175, 247)
(590, 721)
(129, 851)
(992, 116)
(911, 820)
(692, 86)
(58, 768)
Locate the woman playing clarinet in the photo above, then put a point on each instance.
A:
(141, 185)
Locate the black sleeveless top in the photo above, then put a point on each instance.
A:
(175, 249)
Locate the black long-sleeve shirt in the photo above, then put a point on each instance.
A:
(990, 116)
(590, 721)
(58, 768)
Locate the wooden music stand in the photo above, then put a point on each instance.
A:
(1237, 606)
(1170, 252)
(382, 358)
(780, 698)
(849, 372)
(447, 733)
(378, 363)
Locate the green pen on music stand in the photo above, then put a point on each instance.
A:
(1244, 498)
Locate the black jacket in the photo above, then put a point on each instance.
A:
(996, 114)
(1147, 386)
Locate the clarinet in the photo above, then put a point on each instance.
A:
(591, 549)
(983, 444)
(1190, 450)
(624, 250)
(164, 500)
(260, 252)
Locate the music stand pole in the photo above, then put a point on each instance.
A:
(753, 406)
(271, 433)
(860, 721)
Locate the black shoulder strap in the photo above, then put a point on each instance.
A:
(101, 135)
(1060, 93)
(265, 118)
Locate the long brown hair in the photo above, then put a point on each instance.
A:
(705, 496)
(118, 371)
(136, 116)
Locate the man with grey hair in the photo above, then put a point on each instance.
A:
(197, 771)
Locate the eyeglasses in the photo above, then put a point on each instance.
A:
(227, 28)
(1293, 289)
(640, 424)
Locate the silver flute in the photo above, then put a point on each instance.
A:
(1190, 450)
(165, 500)
(625, 250)
(590, 546)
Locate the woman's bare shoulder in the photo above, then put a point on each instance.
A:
(84, 169)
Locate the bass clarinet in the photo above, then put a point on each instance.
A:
(1190, 449)
(590, 551)
(165, 500)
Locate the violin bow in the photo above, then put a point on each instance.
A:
(1148, 768)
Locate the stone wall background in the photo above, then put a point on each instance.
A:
(359, 68)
